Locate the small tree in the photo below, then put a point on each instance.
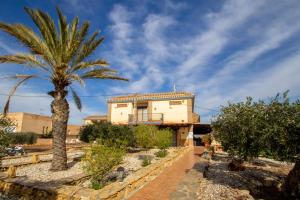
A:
(145, 135)
(99, 161)
(163, 140)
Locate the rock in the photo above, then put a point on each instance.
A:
(236, 165)
(35, 158)
(11, 172)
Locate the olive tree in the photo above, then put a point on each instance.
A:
(249, 129)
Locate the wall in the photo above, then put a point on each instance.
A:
(119, 115)
(36, 123)
(17, 119)
(172, 113)
(73, 131)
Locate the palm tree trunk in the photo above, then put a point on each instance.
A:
(60, 115)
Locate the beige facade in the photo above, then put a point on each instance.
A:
(40, 124)
(27, 122)
(170, 109)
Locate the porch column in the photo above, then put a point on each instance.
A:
(190, 137)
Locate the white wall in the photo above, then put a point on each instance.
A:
(172, 113)
(120, 115)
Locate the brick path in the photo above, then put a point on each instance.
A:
(165, 184)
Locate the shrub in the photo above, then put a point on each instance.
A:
(161, 153)
(23, 138)
(145, 135)
(6, 128)
(47, 135)
(99, 161)
(116, 135)
(206, 139)
(146, 161)
(163, 138)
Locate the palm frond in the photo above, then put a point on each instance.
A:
(88, 64)
(104, 73)
(24, 59)
(76, 77)
(76, 99)
(23, 78)
(46, 27)
(28, 38)
(88, 47)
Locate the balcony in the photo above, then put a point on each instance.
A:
(146, 118)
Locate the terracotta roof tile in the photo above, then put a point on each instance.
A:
(96, 117)
(152, 96)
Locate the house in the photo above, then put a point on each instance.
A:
(40, 124)
(168, 109)
(95, 118)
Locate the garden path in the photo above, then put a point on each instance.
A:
(166, 184)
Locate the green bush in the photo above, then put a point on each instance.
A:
(146, 161)
(163, 138)
(23, 138)
(161, 153)
(47, 135)
(145, 136)
(99, 161)
(6, 129)
(116, 135)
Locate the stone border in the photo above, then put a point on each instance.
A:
(116, 190)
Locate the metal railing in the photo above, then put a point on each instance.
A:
(145, 118)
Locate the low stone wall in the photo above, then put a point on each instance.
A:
(114, 191)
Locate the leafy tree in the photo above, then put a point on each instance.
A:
(61, 54)
(250, 129)
(163, 139)
(6, 128)
(238, 127)
(145, 135)
(99, 161)
(112, 135)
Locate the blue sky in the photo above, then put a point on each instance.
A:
(219, 50)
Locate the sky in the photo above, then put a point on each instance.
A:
(222, 51)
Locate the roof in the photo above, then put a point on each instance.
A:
(96, 117)
(152, 96)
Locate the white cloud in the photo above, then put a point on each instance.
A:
(210, 42)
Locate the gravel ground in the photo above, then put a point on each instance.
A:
(40, 172)
(27, 159)
(220, 183)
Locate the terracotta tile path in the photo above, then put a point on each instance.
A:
(165, 184)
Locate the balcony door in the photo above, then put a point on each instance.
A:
(142, 114)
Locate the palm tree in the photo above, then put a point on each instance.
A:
(62, 53)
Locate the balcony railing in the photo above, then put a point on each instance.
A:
(146, 118)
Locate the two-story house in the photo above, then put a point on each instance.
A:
(168, 109)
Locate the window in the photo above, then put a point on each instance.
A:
(175, 102)
(121, 105)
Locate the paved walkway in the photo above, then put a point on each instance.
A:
(166, 183)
